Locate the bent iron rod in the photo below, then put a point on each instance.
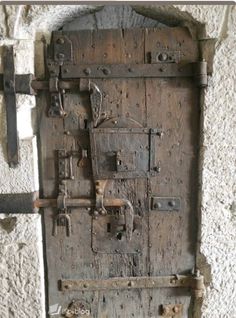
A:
(82, 203)
(86, 203)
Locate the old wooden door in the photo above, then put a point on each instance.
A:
(119, 145)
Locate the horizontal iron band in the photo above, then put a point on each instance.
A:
(18, 203)
(128, 70)
(145, 282)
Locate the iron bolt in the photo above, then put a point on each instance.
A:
(176, 309)
(60, 41)
(102, 212)
(106, 71)
(60, 55)
(162, 57)
(157, 205)
(99, 191)
(87, 71)
(171, 203)
(158, 169)
(68, 286)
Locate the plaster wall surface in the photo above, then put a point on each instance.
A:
(21, 265)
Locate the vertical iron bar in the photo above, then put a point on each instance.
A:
(10, 101)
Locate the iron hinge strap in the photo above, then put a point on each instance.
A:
(195, 283)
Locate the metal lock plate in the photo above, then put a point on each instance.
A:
(165, 56)
(172, 310)
(108, 235)
(122, 153)
(165, 203)
(62, 46)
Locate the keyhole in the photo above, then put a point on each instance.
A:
(119, 236)
(108, 227)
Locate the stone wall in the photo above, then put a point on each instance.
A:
(21, 264)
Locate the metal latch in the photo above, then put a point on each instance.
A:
(62, 218)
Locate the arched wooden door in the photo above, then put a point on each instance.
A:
(119, 150)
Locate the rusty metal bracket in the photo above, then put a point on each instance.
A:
(10, 100)
(172, 310)
(62, 48)
(65, 163)
(56, 94)
(157, 70)
(165, 203)
(100, 188)
(165, 56)
(11, 84)
(201, 73)
(18, 202)
(62, 218)
(141, 282)
(96, 102)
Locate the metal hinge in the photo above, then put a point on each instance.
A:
(195, 283)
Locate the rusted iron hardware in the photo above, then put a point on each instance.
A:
(11, 84)
(10, 100)
(165, 203)
(56, 94)
(165, 56)
(65, 163)
(65, 172)
(118, 161)
(201, 73)
(62, 218)
(62, 48)
(114, 233)
(172, 310)
(18, 202)
(165, 70)
(72, 203)
(141, 282)
(64, 75)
